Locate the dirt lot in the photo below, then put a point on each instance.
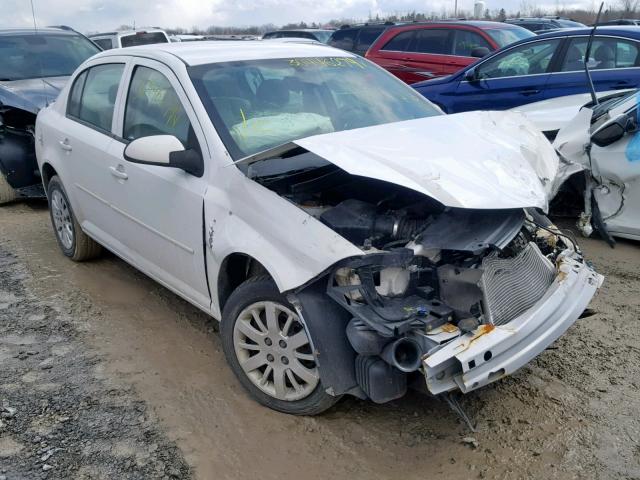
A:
(105, 374)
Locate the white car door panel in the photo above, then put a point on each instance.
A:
(159, 209)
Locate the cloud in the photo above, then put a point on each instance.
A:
(101, 15)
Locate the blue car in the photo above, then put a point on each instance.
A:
(539, 68)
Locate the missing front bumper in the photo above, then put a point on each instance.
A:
(491, 352)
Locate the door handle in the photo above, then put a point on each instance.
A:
(529, 91)
(119, 172)
(64, 145)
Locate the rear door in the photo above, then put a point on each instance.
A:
(515, 77)
(614, 64)
(430, 54)
(84, 137)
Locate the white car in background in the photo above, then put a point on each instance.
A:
(604, 140)
(348, 235)
(130, 38)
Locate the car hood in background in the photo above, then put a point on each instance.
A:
(477, 160)
(554, 113)
(31, 94)
(433, 81)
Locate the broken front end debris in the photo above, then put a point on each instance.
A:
(472, 297)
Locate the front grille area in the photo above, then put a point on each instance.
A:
(512, 285)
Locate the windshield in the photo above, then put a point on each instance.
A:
(506, 36)
(260, 104)
(143, 38)
(42, 55)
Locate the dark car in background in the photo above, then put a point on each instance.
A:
(542, 67)
(418, 51)
(620, 21)
(544, 24)
(321, 35)
(34, 67)
(357, 38)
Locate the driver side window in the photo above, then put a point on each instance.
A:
(529, 59)
(154, 108)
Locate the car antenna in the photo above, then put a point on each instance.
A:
(587, 54)
(35, 27)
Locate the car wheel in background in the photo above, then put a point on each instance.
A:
(73, 242)
(269, 350)
(7, 193)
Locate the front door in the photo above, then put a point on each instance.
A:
(513, 78)
(160, 208)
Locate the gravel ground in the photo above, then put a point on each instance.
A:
(60, 416)
(106, 374)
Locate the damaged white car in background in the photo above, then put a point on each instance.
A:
(605, 142)
(350, 237)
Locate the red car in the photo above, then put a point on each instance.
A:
(420, 51)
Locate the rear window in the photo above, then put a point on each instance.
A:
(143, 38)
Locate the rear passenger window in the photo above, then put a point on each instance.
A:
(432, 40)
(466, 41)
(93, 99)
(401, 42)
(154, 108)
(606, 53)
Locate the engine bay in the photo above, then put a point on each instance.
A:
(430, 273)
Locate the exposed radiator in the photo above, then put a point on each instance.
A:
(512, 285)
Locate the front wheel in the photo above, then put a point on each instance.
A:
(73, 242)
(269, 350)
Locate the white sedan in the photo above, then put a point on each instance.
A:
(348, 235)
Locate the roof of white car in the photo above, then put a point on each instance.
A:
(198, 53)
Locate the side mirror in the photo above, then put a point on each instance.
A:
(471, 75)
(614, 130)
(164, 151)
(480, 52)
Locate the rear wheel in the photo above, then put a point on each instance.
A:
(269, 350)
(7, 193)
(73, 242)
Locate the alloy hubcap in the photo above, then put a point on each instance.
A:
(62, 221)
(274, 351)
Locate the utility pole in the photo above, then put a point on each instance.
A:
(455, 9)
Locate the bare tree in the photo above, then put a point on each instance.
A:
(629, 7)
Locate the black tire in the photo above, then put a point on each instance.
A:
(82, 247)
(259, 289)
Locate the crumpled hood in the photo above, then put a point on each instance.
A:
(476, 160)
(31, 94)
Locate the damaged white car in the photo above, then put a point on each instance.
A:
(604, 140)
(349, 236)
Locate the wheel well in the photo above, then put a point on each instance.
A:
(236, 269)
(47, 172)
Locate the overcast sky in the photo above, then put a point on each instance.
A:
(96, 15)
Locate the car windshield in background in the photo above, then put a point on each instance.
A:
(506, 36)
(260, 104)
(323, 36)
(42, 55)
(143, 38)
